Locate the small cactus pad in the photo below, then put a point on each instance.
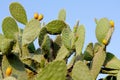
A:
(62, 15)
(88, 54)
(81, 72)
(18, 12)
(80, 41)
(55, 26)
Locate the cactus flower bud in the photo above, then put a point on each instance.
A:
(8, 71)
(36, 15)
(104, 42)
(112, 23)
(40, 17)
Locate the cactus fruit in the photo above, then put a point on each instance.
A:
(36, 15)
(8, 71)
(104, 42)
(112, 23)
(40, 17)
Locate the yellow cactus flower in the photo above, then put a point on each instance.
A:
(36, 15)
(104, 42)
(40, 17)
(8, 71)
(112, 23)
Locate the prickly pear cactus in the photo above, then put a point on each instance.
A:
(61, 58)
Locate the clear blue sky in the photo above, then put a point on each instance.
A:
(83, 10)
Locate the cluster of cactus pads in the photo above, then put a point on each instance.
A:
(19, 60)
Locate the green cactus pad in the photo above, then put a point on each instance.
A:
(62, 15)
(81, 72)
(80, 35)
(62, 53)
(55, 70)
(18, 70)
(68, 38)
(43, 32)
(88, 54)
(18, 12)
(57, 44)
(98, 61)
(10, 28)
(102, 29)
(55, 26)
(30, 32)
(46, 45)
(112, 62)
